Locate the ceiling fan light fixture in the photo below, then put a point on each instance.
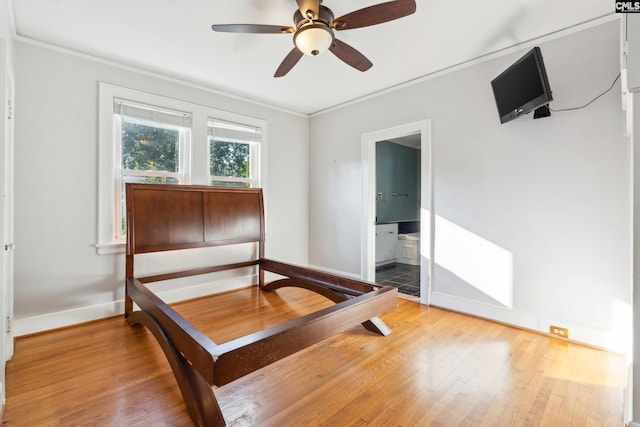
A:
(314, 29)
(313, 39)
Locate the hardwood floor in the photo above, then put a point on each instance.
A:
(437, 368)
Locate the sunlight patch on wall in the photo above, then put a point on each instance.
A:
(479, 262)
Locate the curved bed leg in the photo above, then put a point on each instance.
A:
(197, 393)
(375, 324)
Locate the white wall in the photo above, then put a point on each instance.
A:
(59, 278)
(541, 208)
(5, 22)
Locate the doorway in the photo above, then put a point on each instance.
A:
(398, 214)
(420, 132)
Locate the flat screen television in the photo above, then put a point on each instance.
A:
(522, 87)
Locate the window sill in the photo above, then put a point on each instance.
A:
(111, 248)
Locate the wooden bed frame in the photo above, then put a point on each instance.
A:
(175, 217)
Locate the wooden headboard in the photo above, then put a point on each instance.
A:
(168, 217)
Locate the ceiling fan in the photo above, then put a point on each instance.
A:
(314, 30)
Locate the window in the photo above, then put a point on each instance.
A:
(231, 148)
(149, 138)
(150, 145)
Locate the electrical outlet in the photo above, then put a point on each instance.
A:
(557, 330)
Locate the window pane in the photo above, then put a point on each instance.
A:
(148, 147)
(230, 184)
(229, 159)
(150, 179)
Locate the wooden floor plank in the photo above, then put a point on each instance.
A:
(437, 368)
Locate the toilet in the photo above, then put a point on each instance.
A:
(408, 248)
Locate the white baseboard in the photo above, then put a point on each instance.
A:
(487, 311)
(337, 272)
(606, 339)
(44, 322)
(30, 325)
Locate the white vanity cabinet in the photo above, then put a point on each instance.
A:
(386, 243)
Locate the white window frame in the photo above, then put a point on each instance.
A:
(254, 154)
(196, 152)
(182, 175)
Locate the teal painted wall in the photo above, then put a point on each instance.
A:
(397, 171)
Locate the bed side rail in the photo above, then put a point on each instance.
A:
(317, 277)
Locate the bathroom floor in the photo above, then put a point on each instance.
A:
(405, 277)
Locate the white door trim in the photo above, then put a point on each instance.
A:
(427, 217)
(9, 212)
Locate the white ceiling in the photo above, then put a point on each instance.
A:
(174, 38)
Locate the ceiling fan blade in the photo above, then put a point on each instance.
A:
(306, 5)
(253, 28)
(350, 55)
(376, 14)
(288, 62)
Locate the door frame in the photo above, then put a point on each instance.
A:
(6, 210)
(9, 212)
(427, 217)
